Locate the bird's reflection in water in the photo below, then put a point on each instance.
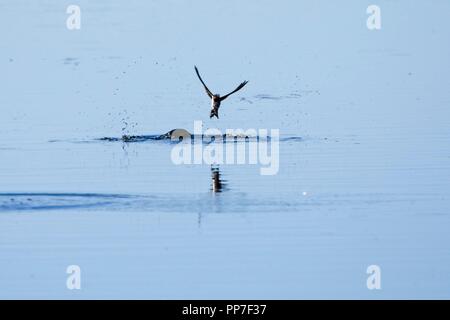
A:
(218, 184)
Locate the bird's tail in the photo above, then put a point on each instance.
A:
(214, 113)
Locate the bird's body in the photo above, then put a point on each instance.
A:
(216, 99)
(215, 105)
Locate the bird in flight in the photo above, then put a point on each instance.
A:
(216, 99)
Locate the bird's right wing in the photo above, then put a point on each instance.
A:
(204, 85)
(237, 89)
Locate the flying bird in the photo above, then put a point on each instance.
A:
(216, 99)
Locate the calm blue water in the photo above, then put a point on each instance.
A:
(364, 161)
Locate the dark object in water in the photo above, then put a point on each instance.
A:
(177, 134)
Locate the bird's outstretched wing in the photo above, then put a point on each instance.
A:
(237, 89)
(204, 85)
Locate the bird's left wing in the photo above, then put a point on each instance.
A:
(204, 85)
